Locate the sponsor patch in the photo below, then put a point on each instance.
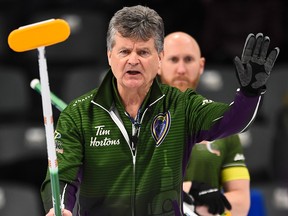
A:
(58, 143)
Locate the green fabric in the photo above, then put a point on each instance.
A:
(205, 165)
(91, 143)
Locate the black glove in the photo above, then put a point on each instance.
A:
(254, 67)
(204, 194)
(187, 198)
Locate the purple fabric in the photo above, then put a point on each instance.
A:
(70, 197)
(239, 117)
(71, 192)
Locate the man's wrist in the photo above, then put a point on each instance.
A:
(250, 92)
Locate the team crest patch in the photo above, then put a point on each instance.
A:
(160, 127)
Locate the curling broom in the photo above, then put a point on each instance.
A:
(38, 36)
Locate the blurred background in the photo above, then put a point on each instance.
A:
(78, 64)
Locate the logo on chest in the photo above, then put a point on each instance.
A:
(160, 127)
(103, 137)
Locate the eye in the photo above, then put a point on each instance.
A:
(188, 59)
(124, 52)
(143, 53)
(174, 59)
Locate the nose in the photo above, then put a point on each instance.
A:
(181, 67)
(133, 59)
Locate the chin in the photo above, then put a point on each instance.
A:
(181, 87)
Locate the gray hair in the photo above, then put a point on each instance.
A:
(136, 22)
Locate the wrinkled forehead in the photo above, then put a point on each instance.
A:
(120, 41)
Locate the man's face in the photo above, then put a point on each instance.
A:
(182, 64)
(134, 63)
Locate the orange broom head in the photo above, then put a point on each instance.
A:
(40, 34)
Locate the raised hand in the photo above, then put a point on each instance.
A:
(254, 67)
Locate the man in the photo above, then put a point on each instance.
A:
(220, 163)
(125, 145)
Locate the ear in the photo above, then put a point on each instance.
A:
(160, 56)
(109, 56)
(202, 65)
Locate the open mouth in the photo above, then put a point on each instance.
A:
(133, 72)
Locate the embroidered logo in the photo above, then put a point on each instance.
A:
(160, 127)
(58, 143)
(206, 101)
(82, 99)
(101, 138)
(239, 157)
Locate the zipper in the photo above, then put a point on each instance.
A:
(136, 127)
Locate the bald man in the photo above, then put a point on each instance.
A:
(219, 164)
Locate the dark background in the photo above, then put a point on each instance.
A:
(77, 65)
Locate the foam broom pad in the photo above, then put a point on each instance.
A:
(40, 34)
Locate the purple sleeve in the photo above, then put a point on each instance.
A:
(238, 118)
(69, 196)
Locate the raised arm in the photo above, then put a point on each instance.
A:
(253, 70)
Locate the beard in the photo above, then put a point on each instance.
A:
(183, 83)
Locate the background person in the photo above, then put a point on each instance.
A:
(220, 164)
